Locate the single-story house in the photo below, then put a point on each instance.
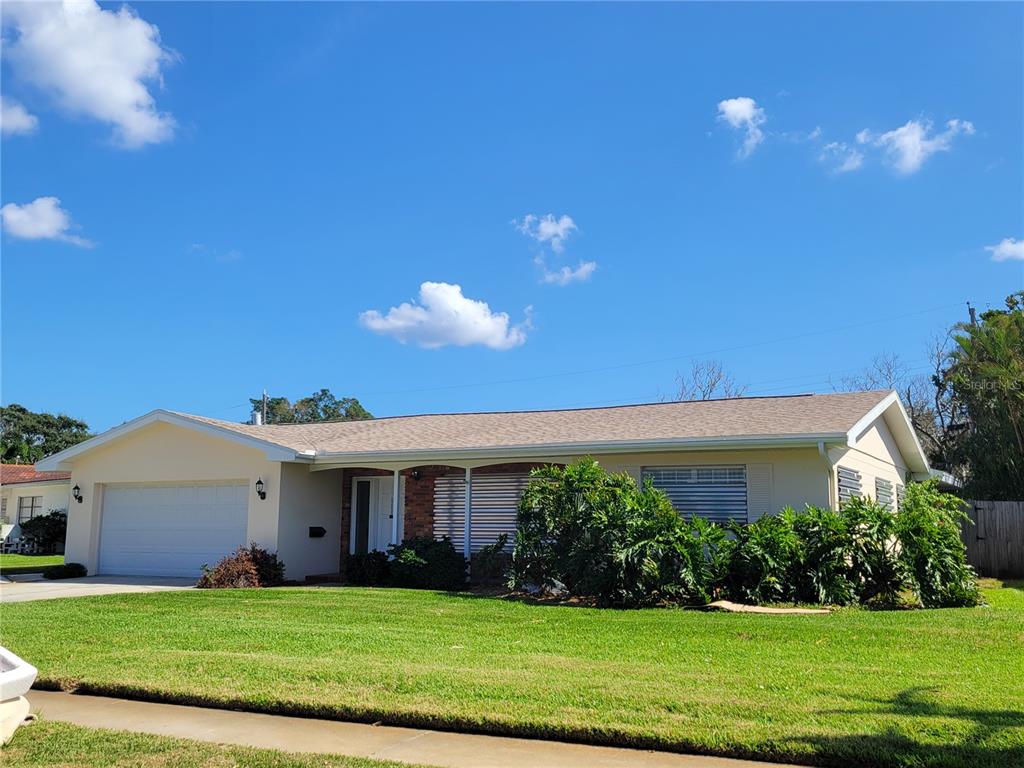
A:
(26, 493)
(167, 492)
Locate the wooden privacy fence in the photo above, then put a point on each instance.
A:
(994, 537)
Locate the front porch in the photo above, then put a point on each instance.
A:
(472, 505)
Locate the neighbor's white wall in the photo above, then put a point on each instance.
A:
(874, 454)
(165, 453)
(56, 496)
(799, 475)
(308, 499)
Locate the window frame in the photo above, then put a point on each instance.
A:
(35, 508)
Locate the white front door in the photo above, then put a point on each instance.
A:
(371, 514)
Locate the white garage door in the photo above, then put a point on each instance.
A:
(170, 530)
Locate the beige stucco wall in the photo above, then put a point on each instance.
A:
(309, 499)
(164, 453)
(875, 455)
(799, 476)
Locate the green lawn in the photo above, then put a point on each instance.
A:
(28, 563)
(59, 745)
(856, 688)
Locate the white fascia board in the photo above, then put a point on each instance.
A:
(910, 446)
(505, 453)
(63, 460)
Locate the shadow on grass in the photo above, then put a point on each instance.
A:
(987, 745)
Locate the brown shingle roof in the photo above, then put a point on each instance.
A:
(741, 418)
(11, 474)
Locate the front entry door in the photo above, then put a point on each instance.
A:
(372, 511)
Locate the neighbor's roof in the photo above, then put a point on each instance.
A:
(737, 422)
(12, 474)
(743, 417)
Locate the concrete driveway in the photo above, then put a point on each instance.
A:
(25, 587)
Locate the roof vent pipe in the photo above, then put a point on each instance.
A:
(257, 418)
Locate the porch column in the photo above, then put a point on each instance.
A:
(395, 501)
(469, 513)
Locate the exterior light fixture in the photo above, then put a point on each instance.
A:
(76, 493)
(259, 489)
(415, 474)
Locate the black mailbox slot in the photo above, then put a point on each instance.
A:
(317, 532)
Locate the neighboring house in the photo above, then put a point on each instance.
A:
(168, 492)
(26, 493)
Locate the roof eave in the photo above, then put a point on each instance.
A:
(901, 427)
(442, 456)
(64, 460)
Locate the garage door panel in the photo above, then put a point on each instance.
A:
(171, 530)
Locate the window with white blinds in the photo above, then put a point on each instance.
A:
(849, 483)
(716, 493)
(883, 492)
(495, 508)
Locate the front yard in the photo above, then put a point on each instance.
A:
(856, 688)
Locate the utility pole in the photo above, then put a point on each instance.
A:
(973, 315)
(264, 405)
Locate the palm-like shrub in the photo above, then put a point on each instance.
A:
(931, 552)
(875, 567)
(762, 559)
(822, 573)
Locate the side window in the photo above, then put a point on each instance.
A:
(29, 507)
(849, 483)
(883, 492)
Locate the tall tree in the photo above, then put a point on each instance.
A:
(986, 374)
(28, 436)
(320, 406)
(706, 380)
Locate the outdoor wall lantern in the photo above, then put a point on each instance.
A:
(259, 489)
(415, 474)
(76, 493)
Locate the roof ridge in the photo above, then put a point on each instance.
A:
(545, 410)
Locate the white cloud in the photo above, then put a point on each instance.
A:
(547, 229)
(1007, 249)
(42, 219)
(95, 62)
(841, 156)
(565, 275)
(910, 145)
(15, 119)
(442, 317)
(743, 114)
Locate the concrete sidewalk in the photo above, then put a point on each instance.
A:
(20, 588)
(407, 745)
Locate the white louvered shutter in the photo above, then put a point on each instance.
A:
(716, 493)
(495, 508)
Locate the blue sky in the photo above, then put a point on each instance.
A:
(247, 196)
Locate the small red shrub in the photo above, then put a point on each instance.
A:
(250, 566)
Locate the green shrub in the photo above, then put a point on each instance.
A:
(47, 531)
(370, 569)
(762, 559)
(491, 563)
(250, 566)
(932, 553)
(426, 563)
(875, 567)
(601, 535)
(65, 571)
(822, 573)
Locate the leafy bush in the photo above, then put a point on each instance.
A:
(932, 553)
(65, 571)
(603, 536)
(875, 567)
(369, 569)
(762, 559)
(47, 531)
(423, 562)
(491, 562)
(250, 566)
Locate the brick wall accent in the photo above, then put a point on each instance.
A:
(419, 495)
